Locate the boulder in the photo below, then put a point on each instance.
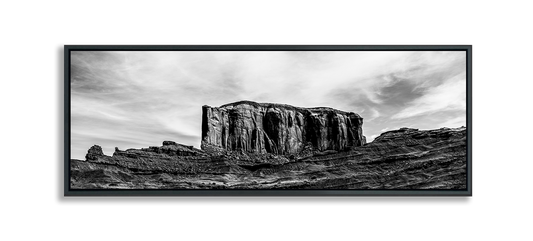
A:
(94, 152)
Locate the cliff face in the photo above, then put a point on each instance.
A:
(279, 129)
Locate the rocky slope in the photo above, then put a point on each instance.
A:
(279, 129)
(400, 159)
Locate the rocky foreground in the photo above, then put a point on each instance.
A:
(400, 159)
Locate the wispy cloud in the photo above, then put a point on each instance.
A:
(450, 95)
(419, 90)
(374, 113)
(137, 99)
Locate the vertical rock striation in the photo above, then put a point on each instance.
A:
(280, 129)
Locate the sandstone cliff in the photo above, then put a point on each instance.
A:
(279, 129)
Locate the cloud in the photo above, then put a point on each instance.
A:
(410, 88)
(133, 99)
(374, 114)
(451, 95)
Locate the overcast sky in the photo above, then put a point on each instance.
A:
(135, 99)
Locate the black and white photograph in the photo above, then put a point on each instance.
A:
(268, 120)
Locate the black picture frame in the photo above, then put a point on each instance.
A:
(469, 47)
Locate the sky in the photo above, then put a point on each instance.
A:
(136, 99)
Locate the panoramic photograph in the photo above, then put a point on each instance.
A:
(316, 120)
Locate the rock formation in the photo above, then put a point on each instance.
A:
(94, 152)
(279, 129)
(169, 148)
(400, 159)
